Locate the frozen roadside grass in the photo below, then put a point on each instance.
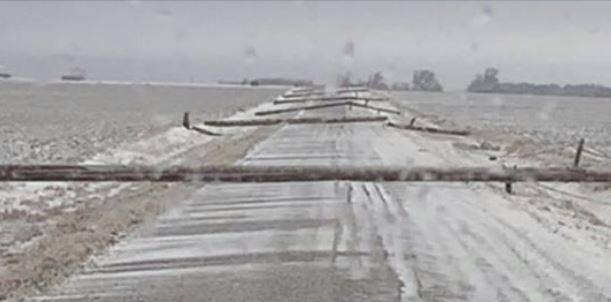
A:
(47, 229)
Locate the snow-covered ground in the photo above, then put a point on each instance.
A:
(363, 241)
(340, 241)
(94, 124)
(545, 128)
(59, 123)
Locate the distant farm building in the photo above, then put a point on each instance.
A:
(76, 74)
(4, 74)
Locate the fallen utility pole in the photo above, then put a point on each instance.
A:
(428, 129)
(293, 109)
(186, 122)
(313, 120)
(379, 109)
(328, 99)
(321, 106)
(293, 173)
(353, 98)
(204, 131)
(306, 93)
(354, 89)
(294, 100)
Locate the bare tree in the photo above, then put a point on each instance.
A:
(425, 80)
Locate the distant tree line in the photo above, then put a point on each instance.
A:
(423, 80)
(488, 82)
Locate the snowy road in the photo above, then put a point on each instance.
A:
(337, 241)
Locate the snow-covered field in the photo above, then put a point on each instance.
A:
(101, 124)
(551, 124)
(71, 122)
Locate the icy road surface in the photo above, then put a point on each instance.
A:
(340, 241)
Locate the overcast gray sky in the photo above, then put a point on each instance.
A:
(540, 42)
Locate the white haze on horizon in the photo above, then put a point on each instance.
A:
(563, 42)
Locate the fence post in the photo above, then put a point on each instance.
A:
(186, 121)
(578, 154)
(509, 185)
(349, 193)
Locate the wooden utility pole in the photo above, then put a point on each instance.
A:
(293, 173)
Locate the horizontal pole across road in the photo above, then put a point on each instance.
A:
(306, 120)
(292, 173)
(294, 109)
(328, 105)
(303, 99)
